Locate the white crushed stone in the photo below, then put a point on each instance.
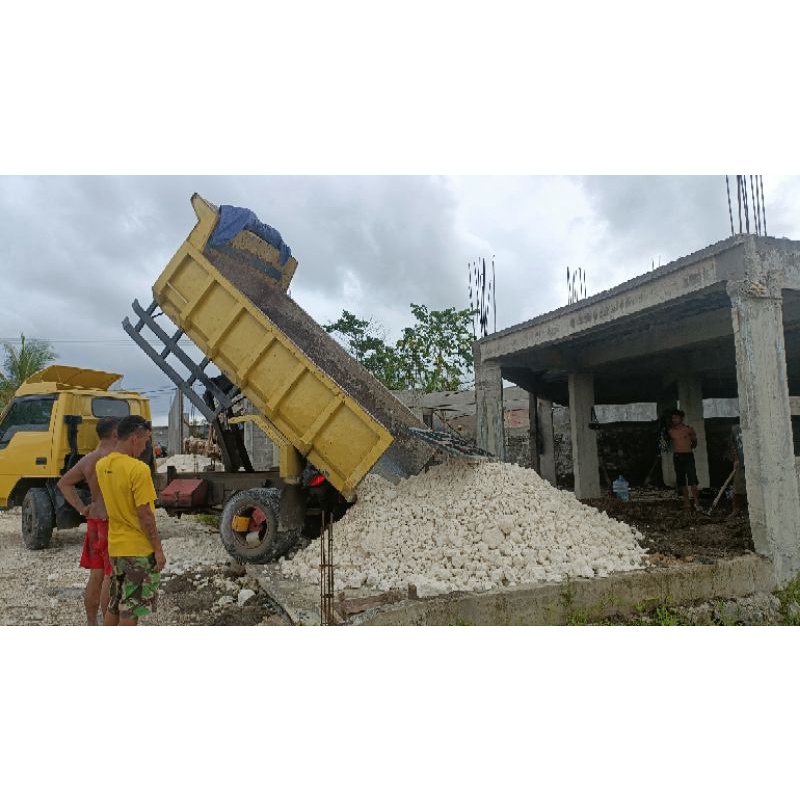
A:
(244, 595)
(470, 527)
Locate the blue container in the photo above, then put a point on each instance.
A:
(621, 488)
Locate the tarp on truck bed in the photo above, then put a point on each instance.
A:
(233, 219)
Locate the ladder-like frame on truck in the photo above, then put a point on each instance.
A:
(229, 435)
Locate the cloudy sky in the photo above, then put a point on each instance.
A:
(76, 251)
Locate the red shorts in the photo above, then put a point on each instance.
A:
(95, 546)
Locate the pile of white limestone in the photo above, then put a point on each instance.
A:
(463, 526)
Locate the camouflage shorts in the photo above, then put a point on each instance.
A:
(134, 586)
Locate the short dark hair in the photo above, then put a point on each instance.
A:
(106, 426)
(676, 412)
(129, 425)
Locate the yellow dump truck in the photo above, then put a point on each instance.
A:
(48, 425)
(331, 419)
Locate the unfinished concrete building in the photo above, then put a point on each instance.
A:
(723, 322)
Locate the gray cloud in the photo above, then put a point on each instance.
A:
(652, 217)
(75, 251)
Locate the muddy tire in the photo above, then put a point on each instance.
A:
(261, 542)
(38, 519)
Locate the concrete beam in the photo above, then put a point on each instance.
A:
(637, 296)
(585, 463)
(490, 427)
(772, 489)
(690, 398)
(707, 326)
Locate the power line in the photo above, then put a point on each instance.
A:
(112, 342)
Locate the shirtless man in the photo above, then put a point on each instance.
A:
(95, 544)
(684, 440)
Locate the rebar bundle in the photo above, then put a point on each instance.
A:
(482, 296)
(750, 203)
(576, 285)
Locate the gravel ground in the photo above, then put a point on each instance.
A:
(200, 585)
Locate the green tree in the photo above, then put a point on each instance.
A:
(21, 362)
(436, 353)
(365, 340)
(431, 356)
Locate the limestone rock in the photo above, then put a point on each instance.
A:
(470, 527)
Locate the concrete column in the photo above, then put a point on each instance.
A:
(543, 451)
(175, 431)
(667, 466)
(690, 398)
(585, 464)
(772, 490)
(490, 429)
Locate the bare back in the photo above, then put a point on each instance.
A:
(87, 467)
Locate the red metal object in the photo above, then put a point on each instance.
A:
(317, 480)
(257, 519)
(184, 493)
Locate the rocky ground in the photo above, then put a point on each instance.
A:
(200, 584)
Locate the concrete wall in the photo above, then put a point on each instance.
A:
(263, 453)
(626, 439)
(177, 429)
(588, 600)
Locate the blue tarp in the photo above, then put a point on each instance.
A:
(233, 219)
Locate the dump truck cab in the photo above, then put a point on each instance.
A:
(45, 429)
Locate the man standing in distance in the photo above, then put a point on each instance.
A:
(133, 541)
(95, 544)
(684, 440)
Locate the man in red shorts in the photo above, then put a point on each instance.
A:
(95, 544)
(134, 544)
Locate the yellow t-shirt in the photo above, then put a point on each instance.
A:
(125, 483)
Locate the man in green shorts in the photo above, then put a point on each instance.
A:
(133, 541)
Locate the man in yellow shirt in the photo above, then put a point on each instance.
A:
(134, 545)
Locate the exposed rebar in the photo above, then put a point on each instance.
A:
(730, 210)
(326, 587)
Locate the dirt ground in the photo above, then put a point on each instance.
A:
(673, 535)
(200, 584)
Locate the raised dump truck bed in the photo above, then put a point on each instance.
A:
(225, 289)
(306, 385)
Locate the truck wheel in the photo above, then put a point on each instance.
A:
(249, 527)
(38, 519)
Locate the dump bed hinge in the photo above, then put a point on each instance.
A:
(452, 444)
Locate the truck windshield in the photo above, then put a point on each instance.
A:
(26, 414)
(110, 407)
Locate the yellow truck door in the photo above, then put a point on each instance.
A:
(26, 441)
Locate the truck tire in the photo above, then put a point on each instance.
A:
(261, 507)
(38, 519)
